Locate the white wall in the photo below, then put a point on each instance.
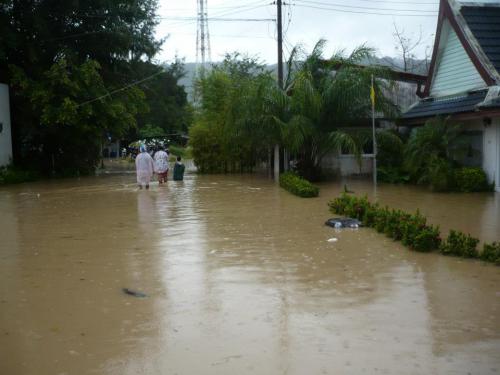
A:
(491, 148)
(5, 134)
(454, 72)
(492, 154)
(347, 165)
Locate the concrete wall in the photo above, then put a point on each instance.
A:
(347, 165)
(5, 133)
(112, 150)
(490, 148)
(491, 161)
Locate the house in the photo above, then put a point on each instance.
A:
(5, 134)
(464, 79)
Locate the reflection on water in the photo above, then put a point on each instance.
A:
(240, 279)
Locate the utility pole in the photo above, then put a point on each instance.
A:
(280, 44)
(280, 82)
(202, 34)
(372, 95)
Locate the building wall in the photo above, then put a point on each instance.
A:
(5, 133)
(455, 72)
(347, 165)
(490, 148)
(492, 154)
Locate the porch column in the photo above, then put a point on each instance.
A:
(276, 162)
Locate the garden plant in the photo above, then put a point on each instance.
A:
(412, 229)
(298, 185)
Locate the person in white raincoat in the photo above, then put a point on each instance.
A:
(161, 165)
(144, 166)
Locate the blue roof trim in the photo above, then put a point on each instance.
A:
(445, 106)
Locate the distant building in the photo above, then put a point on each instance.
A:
(464, 79)
(403, 93)
(5, 133)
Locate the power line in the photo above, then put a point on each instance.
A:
(362, 7)
(229, 19)
(221, 7)
(220, 14)
(228, 35)
(401, 2)
(362, 12)
(122, 88)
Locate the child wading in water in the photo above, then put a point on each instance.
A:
(179, 170)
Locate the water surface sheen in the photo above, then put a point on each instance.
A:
(240, 279)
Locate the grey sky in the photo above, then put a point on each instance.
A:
(337, 21)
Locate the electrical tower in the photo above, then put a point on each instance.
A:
(202, 35)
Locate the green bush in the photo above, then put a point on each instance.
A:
(427, 239)
(411, 229)
(392, 175)
(491, 253)
(460, 244)
(471, 179)
(298, 186)
(178, 150)
(12, 175)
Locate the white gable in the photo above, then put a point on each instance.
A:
(454, 72)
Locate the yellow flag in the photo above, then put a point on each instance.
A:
(372, 95)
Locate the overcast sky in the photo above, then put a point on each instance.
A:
(344, 23)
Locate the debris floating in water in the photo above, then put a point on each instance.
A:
(333, 239)
(343, 222)
(134, 293)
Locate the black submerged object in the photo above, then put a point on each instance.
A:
(134, 293)
(343, 222)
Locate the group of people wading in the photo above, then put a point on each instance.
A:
(146, 166)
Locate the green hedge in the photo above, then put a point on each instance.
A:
(469, 180)
(412, 229)
(491, 253)
(298, 186)
(12, 175)
(460, 244)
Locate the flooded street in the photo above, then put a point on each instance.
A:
(240, 279)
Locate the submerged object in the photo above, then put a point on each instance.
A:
(343, 222)
(333, 239)
(347, 191)
(134, 293)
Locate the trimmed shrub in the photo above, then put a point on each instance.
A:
(460, 244)
(298, 186)
(12, 175)
(399, 225)
(471, 179)
(491, 253)
(412, 229)
(427, 239)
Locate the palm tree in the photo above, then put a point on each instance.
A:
(432, 152)
(321, 101)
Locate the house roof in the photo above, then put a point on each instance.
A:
(484, 23)
(451, 10)
(477, 25)
(444, 106)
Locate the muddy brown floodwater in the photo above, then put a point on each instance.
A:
(240, 279)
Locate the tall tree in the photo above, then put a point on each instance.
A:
(78, 71)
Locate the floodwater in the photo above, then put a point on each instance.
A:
(240, 279)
